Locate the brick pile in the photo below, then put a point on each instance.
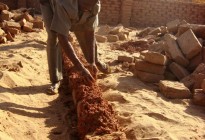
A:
(174, 59)
(14, 22)
(112, 34)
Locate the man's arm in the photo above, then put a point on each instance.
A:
(68, 49)
(87, 4)
(43, 1)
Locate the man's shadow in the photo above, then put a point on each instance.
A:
(60, 114)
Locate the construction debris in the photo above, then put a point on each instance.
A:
(15, 21)
(174, 53)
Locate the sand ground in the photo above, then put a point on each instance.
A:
(28, 113)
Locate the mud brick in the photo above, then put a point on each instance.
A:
(194, 62)
(28, 27)
(199, 97)
(11, 24)
(128, 59)
(3, 39)
(144, 66)
(116, 30)
(1, 32)
(154, 57)
(22, 22)
(198, 79)
(38, 24)
(122, 36)
(100, 38)
(13, 31)
(155, 31)
(188, 81)
(179, 71)
(174, 51)
(182, 29)
(200, 69)
(174, 90)
(158, 46)
(28, 17)
(3, 6)
(6, 15)
(145, 32)
(18, 16)
(148, 77)
(189, 44)
(112, 38)
(9, 37)
(195, 79)
(173, 26)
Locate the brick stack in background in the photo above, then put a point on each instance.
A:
(14, 22)
(182, 75)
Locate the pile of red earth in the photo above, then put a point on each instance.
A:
(95, 115)
(175, 59)
(15, 21)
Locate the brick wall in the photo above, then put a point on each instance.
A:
(138, 12)
(144, 13)
(14, 4)
(110, 12)
(159, 12)
(11, 3)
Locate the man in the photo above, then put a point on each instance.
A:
(60, 17)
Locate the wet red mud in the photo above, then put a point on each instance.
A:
(95, 115)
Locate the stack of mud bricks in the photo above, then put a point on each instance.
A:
(12, 23)
(151, 66)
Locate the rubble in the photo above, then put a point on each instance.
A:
(15, 21)
(174, 51)
(182, 44)
(112, 38)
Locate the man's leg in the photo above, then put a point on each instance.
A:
(54, 54)
(87, 43)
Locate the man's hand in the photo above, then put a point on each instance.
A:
(88, 76)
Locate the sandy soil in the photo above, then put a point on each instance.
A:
(28, 113)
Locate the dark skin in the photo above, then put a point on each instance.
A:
(68, 49)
